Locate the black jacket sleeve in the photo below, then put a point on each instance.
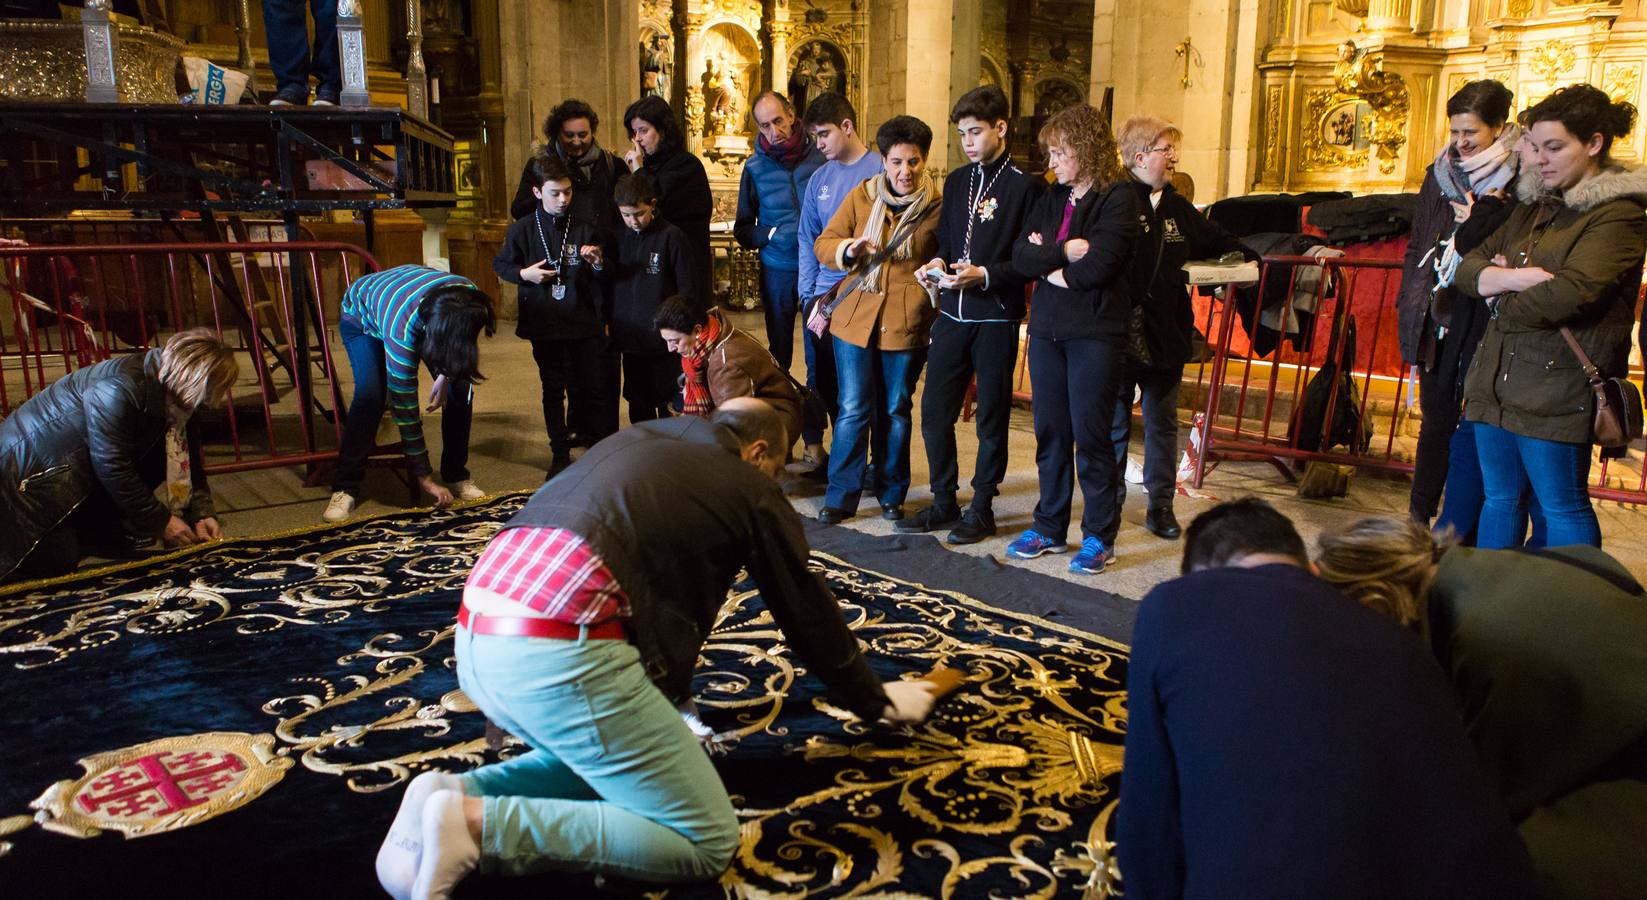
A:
(1004, 275)
(511, 256)
(807, 612)
(683, 270)
(1035, 260)
(1110, 241)
(746, 227)
(1211, 240)
(113, 419)
(524, 202)
(1485, 216)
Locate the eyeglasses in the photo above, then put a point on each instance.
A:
(1168, 149)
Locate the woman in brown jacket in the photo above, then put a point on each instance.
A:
(880, 328)
(720, 361)
(1569, 258)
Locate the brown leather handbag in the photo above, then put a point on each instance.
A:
(1618, 403)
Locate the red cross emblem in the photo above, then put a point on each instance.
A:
(161, 784)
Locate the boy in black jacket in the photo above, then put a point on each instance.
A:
(981, 302)
(1172, 233)
(557, 261)
(653, 264)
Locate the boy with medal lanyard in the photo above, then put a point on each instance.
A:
(557, 262)
(981, 303)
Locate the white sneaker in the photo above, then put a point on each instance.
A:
(341, 507)
(466, 490)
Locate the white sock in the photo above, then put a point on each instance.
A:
(449, 853)
(397, 859)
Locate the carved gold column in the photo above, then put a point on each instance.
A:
(778, 27)
(1390, 16)
(689, 19)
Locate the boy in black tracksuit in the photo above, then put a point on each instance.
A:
(981, 303)
(1172, 233)
(558, 261)
(652, 264)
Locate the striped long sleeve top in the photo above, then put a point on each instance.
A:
(386, 306)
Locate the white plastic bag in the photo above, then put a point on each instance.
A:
(212, 83)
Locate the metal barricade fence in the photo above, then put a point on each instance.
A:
(75, 306)
(1256, 394)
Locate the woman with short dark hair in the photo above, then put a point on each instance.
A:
(1564, 268)
(658, 149)
(392, 322)
(80, 460)
(1466, 196)
(720, 361)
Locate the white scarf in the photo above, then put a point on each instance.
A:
(912, 205)
(1490, 170)
(179, 478)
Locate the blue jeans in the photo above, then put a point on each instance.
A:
(366, 409)
(289, 46)
(820, 377)
(1462, 500)
(614, 782)
(877, 395)
(780, 300)
(1559, 473)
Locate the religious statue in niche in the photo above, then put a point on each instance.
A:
(723, 100)
(1360, 76)
(657, 56)
(817, 68)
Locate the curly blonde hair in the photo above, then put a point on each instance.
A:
(1386, 565)
(1083, 129)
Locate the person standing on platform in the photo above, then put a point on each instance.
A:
(658, 150)
(1160, 339)
(769, 214)
(557, 260)
(579, 632)
(833, 124)
(390, 323)
(1079, 248)
(980, 305)
(291, 58)
(652, 259)
(1256, 693)
(570, 134)
(879, 330)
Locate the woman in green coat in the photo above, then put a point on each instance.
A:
(1547, 651)
(1569, 257)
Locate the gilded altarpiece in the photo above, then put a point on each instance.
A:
(1320, 114)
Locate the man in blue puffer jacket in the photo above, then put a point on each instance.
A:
(769, 212)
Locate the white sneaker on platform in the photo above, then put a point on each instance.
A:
(341, 507)
(467, 490)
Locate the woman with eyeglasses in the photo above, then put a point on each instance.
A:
(1565, 268)
(1159, 334)
(1078, 246)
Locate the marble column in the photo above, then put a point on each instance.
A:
(689, 20)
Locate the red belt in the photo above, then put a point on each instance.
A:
(526, 626)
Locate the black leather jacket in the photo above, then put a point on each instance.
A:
(88, 430)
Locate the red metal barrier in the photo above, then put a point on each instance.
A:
(1253, 391)
(73, 306)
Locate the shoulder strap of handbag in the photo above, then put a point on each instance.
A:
(1590, 370)
(1623, 582)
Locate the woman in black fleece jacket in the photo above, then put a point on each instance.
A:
(1078, 246)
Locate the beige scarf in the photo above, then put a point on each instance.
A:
(179, 477)
(911, 205)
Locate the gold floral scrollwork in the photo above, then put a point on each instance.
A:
(1272, 132)
(1360, 77)
(694, 109)
(1552, 60)
(1520, 8)
(1320, 155)
(1623, 85)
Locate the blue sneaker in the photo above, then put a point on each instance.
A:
(1092, 558)
(1032, 543)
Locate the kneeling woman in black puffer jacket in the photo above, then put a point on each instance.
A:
(79, 461)
(1078, 247)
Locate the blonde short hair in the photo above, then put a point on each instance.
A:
(197, 368)
(1386, 565)
(1140, 133)
(1084, 130)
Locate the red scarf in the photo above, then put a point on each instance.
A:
(695, 399)
(789, 153)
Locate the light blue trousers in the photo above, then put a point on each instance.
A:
(614, 782)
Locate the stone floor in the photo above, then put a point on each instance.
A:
(509, 452)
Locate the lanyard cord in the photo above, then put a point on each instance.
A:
(974, 199)
(537, 220)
